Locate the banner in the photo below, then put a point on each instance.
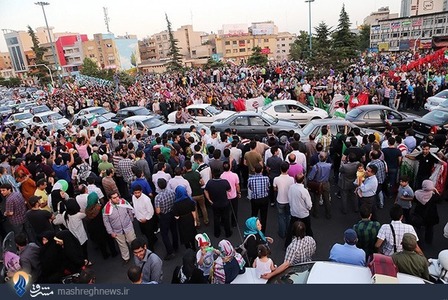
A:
(417, 22)
(375, 28)
(254, 103)
(395, 25)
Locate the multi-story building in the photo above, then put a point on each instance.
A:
(19, 42)
(236, 41)
(410, 8)
(108, 57)
(148, 49)
(416, 32)
(6, 69)
(383, 13)
(70, 52)
(284, 42)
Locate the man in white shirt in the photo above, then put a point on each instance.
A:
(144, 213)
(160, 174)
(300, 204)
(300, 157)
(178, 180)
(92, 188)
(281, 186)
(203, 169)
(235, 152)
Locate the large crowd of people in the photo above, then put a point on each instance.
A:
(64, 189)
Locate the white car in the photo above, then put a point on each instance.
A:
(324, 272)
(147, 122)
(436, 100)
(87, 120)
(293, 110)
(47, 118)
(25, 117)
(96, 110)
(203, 113)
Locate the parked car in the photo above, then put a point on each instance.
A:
(38, 109)
(203, 113)
(293, 110)
(26, 117)
(87, 120)
(335, 125)
(249, 124)
(323, 272)
(96, 110)
(436, 100)
(379, 116)
(442, 105)
(5, 111)
(147, 122)
(133, 111)
(47, 118)
(436, 123)
(186, 128)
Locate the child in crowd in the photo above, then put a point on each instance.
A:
(360, 174)
(263, 264)
(404, 197)
(206, 254)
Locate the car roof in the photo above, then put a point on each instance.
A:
(46, 113)
(140, 118)
(369, 107)
(247, 113)
(276, 102)
(335, 121)
(198, 106)
(132, 108)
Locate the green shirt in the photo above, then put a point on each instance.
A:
(193, 179)
(367, 231)
(409, 262)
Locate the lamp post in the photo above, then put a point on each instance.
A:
(309, 16)
(42, 4)
(49, 71)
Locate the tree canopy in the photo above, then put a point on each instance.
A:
(175, 63)
(39, 71)
(257, 58)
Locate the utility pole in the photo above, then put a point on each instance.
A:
(309, 16)
(42, 4)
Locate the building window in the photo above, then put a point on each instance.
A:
(283, 45)
(228, 51)
(248, 41)
(439, 31)
(92, 55)
(164, 37)
(242, 50)
(266, 40)
(234, 42)
(235, 50)
(283, 39)
(227, 43)
(441, 20)
(193, 52)
(404, 34)
(395, 35)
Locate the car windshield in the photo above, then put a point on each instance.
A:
(309, 127)
(269, 118)
(152, 122)
(99, 110)
(442, 94)
(213, 110)
(294, 275)
(101, 119)
(23, 116)
(266, 106)
(444, 103)
(142, 112)
(354, 113)
(437, 116)
(39, 109)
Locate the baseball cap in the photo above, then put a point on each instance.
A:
(409, 241)
(350, 236)
(33, 200)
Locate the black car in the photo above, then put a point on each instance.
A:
(379, 116)
(435, 123)
(250, 124)
(134, 111)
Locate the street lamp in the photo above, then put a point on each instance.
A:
(309, 2)
(42, 4)
(49, 70)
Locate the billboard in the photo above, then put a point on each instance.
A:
(404, 45)
(234, 29)
(263, 29)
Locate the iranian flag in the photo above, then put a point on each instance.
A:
(446, 54)
(93, 121)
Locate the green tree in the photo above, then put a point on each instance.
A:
(40, 71)
(133, 59)
(125, 79)
(299, 49)
(90, 68)
(257, 58)
(364, 37)
(213, 64)
(322, 56)
(10, 82)
(175, 64)
(345, 41)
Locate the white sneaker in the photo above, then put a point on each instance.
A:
(321, 201)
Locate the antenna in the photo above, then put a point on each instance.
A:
(106, 18)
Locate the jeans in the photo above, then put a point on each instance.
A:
(326, 197)
(221, 215)
(348, 195)
(284, 216)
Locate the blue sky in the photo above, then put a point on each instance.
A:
(144, 18)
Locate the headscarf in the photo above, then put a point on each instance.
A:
(227, 254)
(71, 208)
(92, 199)
(425, 194)
(251, 228)
(181, 194)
